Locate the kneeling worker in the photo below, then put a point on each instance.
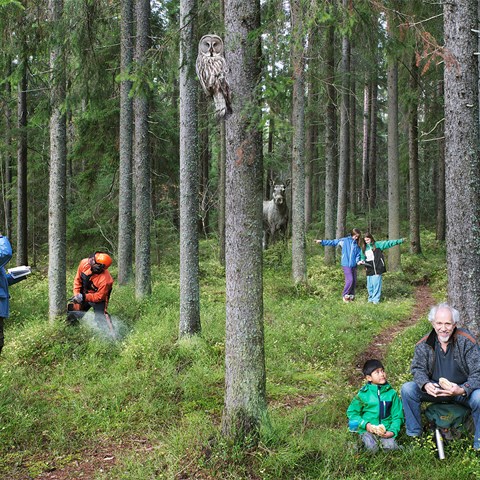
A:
(91, 288)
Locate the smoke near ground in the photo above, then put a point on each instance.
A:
(114, 330)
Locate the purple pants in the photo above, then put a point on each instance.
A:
(350, 280)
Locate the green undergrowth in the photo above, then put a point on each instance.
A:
(156, 403)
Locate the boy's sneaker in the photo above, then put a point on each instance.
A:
(346, 298)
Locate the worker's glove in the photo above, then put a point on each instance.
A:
(78, 298)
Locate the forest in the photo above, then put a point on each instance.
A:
(229, 360)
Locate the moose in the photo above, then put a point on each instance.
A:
(275, 214)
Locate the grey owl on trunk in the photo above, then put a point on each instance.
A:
(211, 70)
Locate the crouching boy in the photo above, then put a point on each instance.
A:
(376, 410)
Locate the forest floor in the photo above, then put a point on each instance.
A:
(102, 457)
(378, 346)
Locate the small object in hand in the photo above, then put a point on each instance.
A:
(445, 384)
(378, 429)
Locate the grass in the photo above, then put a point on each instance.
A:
(156, 403)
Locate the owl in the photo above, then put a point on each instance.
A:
(211, 70)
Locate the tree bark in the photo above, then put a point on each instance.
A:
(203, 162)
(221, 191)
(352, 149)
(142, 158)
(58, 172)
(415, 246)
(365, 144)
(393, 165)
(125, 194)
(311, 123)
(299, 260)
(189, 178)
(7, 190)
(22, 154)
(330, 145)
(344, 136)
(462, 160)
(222, 160)
(245, 396)
(372, 145)
(440, 190)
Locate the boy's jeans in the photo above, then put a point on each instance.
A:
(412, 398)
(371, 441)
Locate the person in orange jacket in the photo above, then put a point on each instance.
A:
(92, 287)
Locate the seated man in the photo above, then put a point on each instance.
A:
(446, 352)
(91, 288)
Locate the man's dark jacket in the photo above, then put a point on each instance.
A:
(465, 353)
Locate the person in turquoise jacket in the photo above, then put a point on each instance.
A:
(376, 412)
(351, 250)
(5, 281)
(374, 261)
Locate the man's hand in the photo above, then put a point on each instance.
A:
(451, 389)
(435, 390)
(78, 298)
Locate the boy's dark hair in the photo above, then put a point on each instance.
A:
(370, 366)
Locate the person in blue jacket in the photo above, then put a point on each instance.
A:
(374, 261)
(351, 250)
(5, 281)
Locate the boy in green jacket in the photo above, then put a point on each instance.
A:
(376, 410)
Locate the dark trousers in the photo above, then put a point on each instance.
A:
(98, 308)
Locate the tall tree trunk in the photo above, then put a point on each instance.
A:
(372, 145)
(330, 144)
(245, 395)
(142, 159)
(269, 175)
(415, 246)
(189, 262)
(222, 160)
(22, 153)
(440, 190)
(311, 122)
(462, 160)
(58, 155)
(352, 149)
(299, 260)
(393, 165)
(309, 158)
(203, 163)
(344, 136)
(7, 191)
(125, 194)
(365, 144)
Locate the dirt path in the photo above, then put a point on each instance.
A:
(378, 346)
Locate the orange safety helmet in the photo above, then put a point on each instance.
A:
(103, 259)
